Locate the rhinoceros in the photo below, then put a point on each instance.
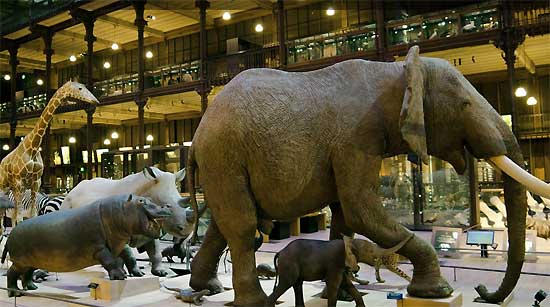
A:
(70, 240)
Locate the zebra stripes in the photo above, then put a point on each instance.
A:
(44, 203)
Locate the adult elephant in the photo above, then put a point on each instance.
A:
(295, 141)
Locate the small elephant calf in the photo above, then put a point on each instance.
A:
(309, 260)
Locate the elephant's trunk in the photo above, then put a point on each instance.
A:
(516, 209)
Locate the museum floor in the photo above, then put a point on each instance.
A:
(74, 285)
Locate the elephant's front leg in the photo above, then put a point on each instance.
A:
(357, 181)
(153, 251)
(204, 267)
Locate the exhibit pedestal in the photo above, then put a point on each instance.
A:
(112, 290)
(455, 300)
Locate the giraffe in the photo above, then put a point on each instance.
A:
(22, 168)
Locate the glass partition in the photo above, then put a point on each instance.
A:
(396, 189)
(351, 40)
(420, 197)
(482, 20)
(447, 195)
(441, 24)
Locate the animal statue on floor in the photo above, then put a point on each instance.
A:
(152, 183)
(265, 271)
(542, 226)
(309, 260)
(376, 256)
(94, 234)
(22, 168)
(300, 140)
(188, 296)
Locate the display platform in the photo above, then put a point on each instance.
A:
(74, 286)
(453, 301)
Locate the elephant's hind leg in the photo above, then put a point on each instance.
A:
(204, 267)
(356, 174)
(234, 209)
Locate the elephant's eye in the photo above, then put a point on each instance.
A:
(466, 103)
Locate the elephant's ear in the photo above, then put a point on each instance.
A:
(412, 111)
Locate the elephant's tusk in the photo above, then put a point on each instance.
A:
(531, 182)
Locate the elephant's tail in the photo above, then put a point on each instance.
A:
(191, 165)
(4, 252)
(276, 270)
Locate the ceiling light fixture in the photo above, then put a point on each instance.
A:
(149, 138)
(23, 76)
(106, 142)
(106, 65)
(72, 140)
(520, 92)
(532, 101)
(149, 54)
(7, 77)
(6, 147)
(330, 11)
(40, 81)
(114, 135)
(226, 16)
(72, 58)
(114, 46)
(259, 28)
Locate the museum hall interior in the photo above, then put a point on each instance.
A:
(274, 153)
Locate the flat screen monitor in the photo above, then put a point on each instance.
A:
(478, 237)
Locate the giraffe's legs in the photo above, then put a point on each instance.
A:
(17, 203)
(35, 187)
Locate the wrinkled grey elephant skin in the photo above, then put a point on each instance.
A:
(70, 240)
(278, 145)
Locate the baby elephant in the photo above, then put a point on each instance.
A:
(309, 260)
(70, 240)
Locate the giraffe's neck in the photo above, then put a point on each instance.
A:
(34, 138)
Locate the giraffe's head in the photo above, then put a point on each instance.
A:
(72, 91)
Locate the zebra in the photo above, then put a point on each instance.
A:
(44, 203)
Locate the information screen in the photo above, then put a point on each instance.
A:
(477, 237)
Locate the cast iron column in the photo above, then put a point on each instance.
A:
(88, 19)
(90, 110)
(474, 191)
(140, 22)
(47, 36)
(90, 39)
(13, 88)
(141, 102)
(381, 32)
(139, 7)
(281, 33)
(510, 38)
(203, 91)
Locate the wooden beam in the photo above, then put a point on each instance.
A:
(525, 59)
(23, 61)
(193, 14)
(130, 25)
(264, 4)
(79, 36)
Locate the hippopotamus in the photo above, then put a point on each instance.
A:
(179, 225)
(70, 240)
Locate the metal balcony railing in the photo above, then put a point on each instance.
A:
(534, 123)
(530, 14)
(222, 69)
